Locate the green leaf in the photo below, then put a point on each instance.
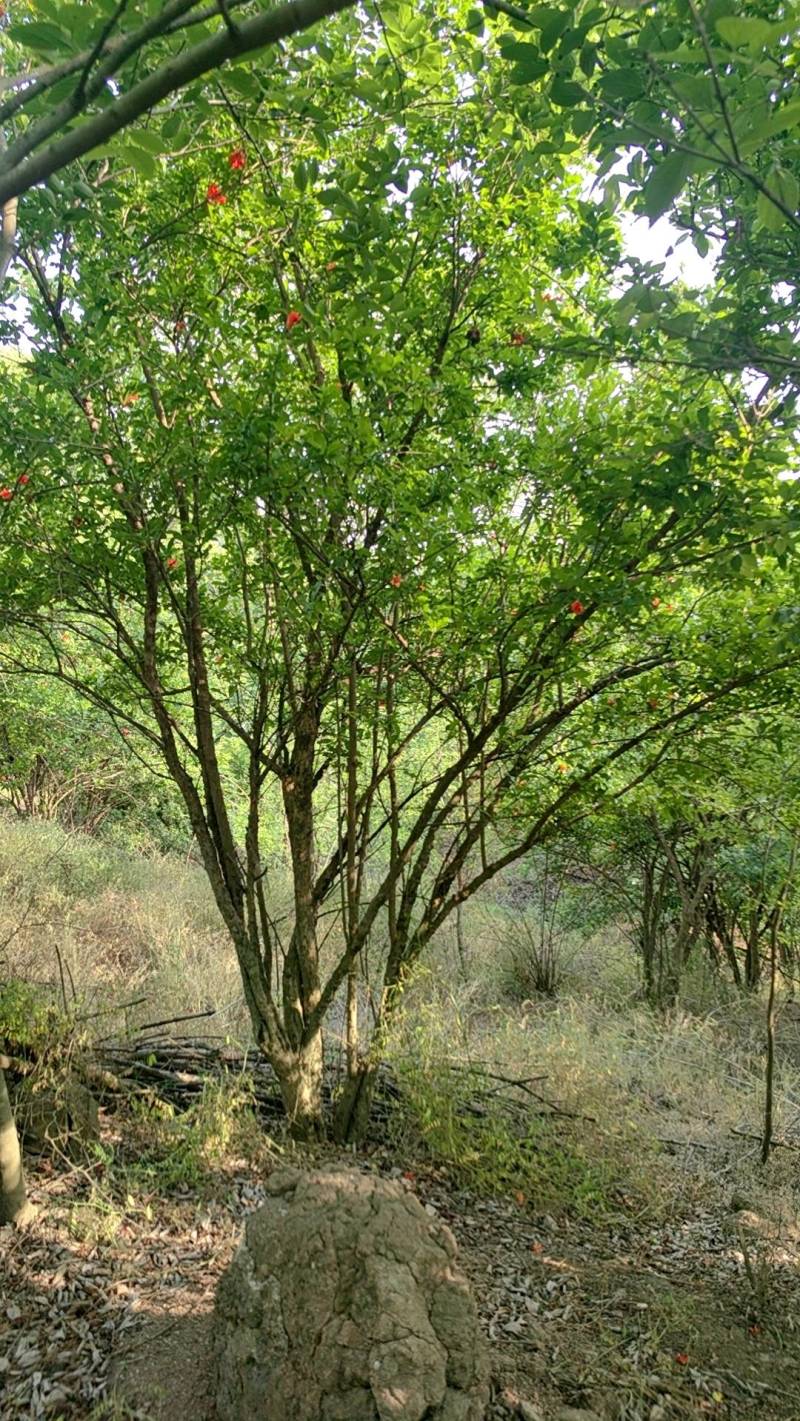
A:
(553, 28)
(139, 159)
(588, 59)
(148, 140)
(784, 186)
(571, 40)
(565, 93)
(696, 91)
(622, 84)
(680, 325)
(243, 81)
(519, 50)
(778, 121)
(527, 60)
(532, 68)
(748, 32)
(42, 37)
(583, 122)
(665, 183)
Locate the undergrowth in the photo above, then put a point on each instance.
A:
(160, 1153)
(109, 931)
(552, 1165)
(168, 1150)
(502, 1138)
(29, 1021)
(93, 927)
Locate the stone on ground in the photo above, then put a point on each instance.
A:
(345, 1303)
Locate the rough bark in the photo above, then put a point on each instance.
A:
(300, 1077)
(354, 1104)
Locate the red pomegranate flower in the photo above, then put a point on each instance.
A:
(576, 607)
(6, 494)
(292, 319)
(396, 579)
(172, 563)
(237, 159)
(215, 194)
(24, 479)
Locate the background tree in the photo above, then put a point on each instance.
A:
(700, 859)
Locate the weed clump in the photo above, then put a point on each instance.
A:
(170, 1152)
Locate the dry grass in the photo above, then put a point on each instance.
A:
(689, 1085)
(108, 926)
(116, 926)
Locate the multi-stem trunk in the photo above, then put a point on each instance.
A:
(299, 1075)
(354, 1103)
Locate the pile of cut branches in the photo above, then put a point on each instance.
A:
(177, 1069)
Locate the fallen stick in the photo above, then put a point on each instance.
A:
(777, 1144)
(684, 1144)
(173, 1020)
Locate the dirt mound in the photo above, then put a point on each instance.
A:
(344, 1303)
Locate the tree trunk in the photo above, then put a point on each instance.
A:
(769, 1076)
(752, 960)
(354, 1104)
(669, 980)
(300, 1077)
(15, 1207)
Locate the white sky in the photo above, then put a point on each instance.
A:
(652, 244)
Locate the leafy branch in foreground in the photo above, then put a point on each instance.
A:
(52, 140)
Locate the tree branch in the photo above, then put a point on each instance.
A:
(279, 23)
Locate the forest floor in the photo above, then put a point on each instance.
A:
(106, 1303)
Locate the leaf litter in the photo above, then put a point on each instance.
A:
(615, 1319)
